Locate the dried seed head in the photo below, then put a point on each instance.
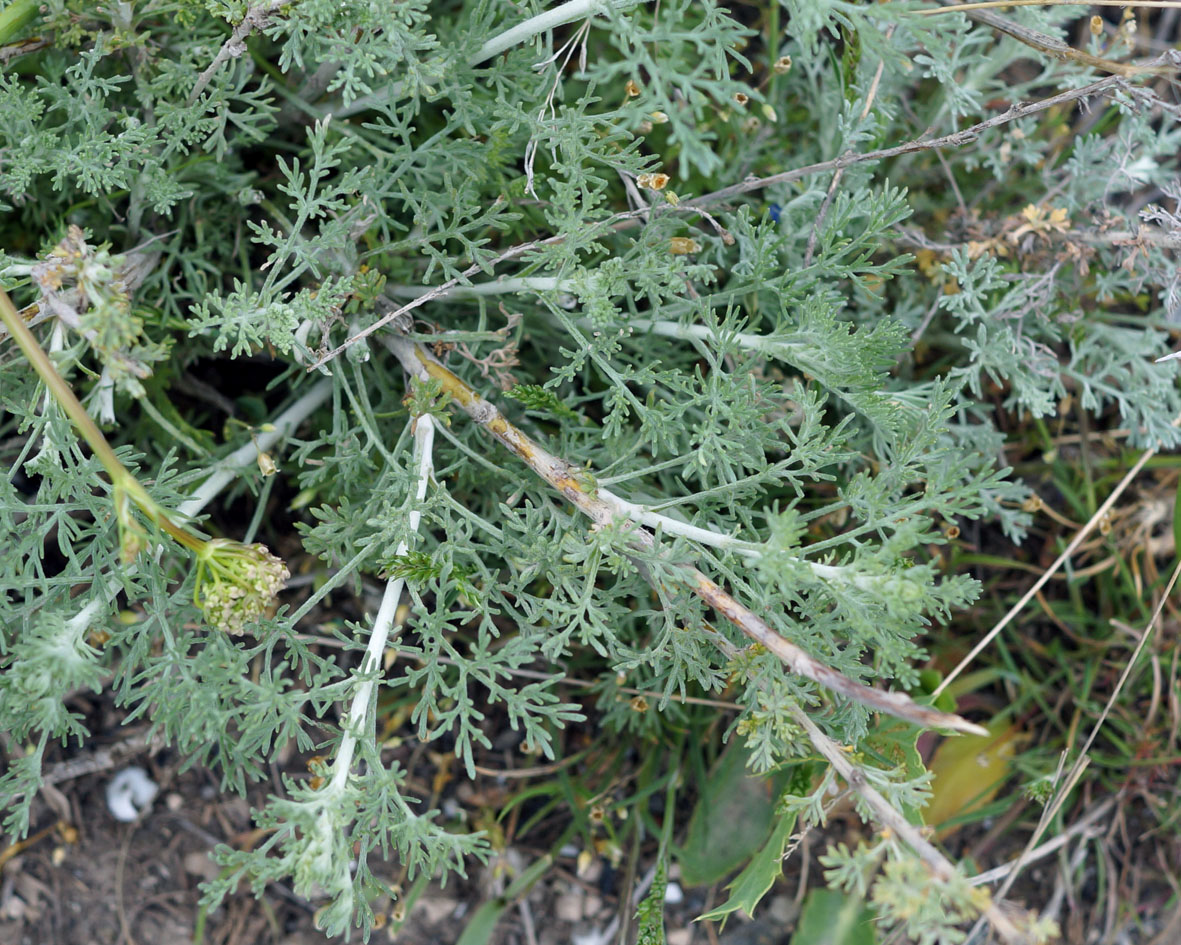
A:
(683, 245)
(639, 704)
(1096, 25)
(653, 181)
(631, 89)
(741, 98)
(782, 65)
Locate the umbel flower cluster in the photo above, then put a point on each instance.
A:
(236, 583)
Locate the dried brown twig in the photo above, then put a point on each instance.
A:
(574, 484)
(603, 509)
(23, 47)
(630, 218)
(256, 18)
(887, 817)
(954, 140)
(991, 4)
(1060, 50)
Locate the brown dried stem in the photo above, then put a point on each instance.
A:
(256, 18)
(942, 869)
(1060, 50)
(630, 218)
(575, 483)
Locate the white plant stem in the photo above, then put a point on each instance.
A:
(513, 36)
(770, 347)
(836, 574)
(670, 329)
(502, 286)
(228, 469)
(424, 438)
(542, 22)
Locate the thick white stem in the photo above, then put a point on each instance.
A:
(231, 466)
(424, 438)
(669, 329)
(521, 33)
(550, 19)
(837, 574)
(503, 286)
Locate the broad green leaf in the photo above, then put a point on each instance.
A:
(834, 918)
(731, 820)
(968, 771)
(760, 874)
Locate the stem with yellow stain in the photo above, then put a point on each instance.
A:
(576, 485)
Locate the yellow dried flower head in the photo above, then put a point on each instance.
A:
(653, 181)
(1042, 221)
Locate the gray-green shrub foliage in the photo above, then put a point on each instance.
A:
(764, 386)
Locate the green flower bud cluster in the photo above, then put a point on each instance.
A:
(236, 582)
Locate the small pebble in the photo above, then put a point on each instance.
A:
(129, 793)
(568, 907)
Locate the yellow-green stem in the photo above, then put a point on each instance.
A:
(121, 478)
